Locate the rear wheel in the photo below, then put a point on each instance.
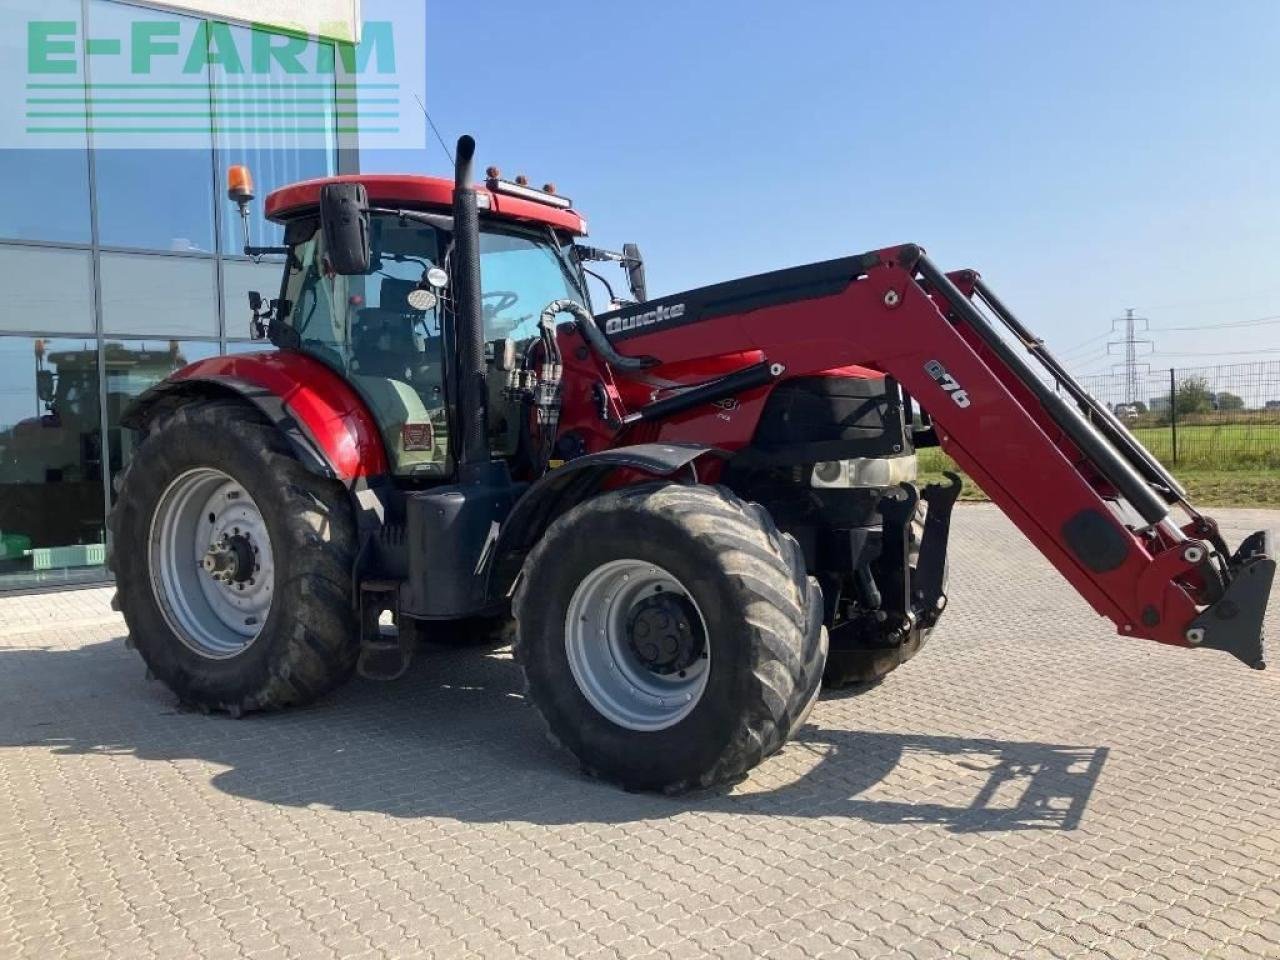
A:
(233, 562)
(669, 636)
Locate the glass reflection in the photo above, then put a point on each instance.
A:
(158, 296)
(276, 155)
(132, 368)
(51, 510)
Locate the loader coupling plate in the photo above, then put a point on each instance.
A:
(1234, 623)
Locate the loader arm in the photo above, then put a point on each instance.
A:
(1086, 493)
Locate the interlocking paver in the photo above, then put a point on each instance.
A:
(1030, 786)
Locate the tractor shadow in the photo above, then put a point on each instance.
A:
(454, 738)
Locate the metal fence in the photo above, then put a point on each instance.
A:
(1221, 417)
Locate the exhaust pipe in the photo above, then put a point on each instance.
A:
(473, 422)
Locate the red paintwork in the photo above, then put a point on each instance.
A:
(325, 405)
(1004, 440)
(417, 193)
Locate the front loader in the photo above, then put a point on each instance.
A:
(685, 511)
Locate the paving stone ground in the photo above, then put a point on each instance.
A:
(1031, 786)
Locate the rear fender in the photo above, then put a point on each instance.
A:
(567, 486)
(329, 427)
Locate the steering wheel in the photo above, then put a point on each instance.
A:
(506, 300)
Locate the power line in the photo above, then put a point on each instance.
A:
(1084, 343)
(1260, 321)
(1217, 353)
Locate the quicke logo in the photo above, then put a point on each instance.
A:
(647, 319)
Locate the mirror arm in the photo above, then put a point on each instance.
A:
(258, 252)
(585, 253)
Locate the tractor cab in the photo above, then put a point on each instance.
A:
(383, 321)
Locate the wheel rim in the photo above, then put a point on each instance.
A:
(212, 567)
(637, 645)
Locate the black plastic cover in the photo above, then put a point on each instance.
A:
(812, 419)
(453, 531)
(1096, 541)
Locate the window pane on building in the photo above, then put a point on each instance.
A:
(47, 195)
(155, 295)
(53, 203)
(238, 278)
(274, 153)
(133, 366)
(154, 199)
(51, 503)
(45, 290)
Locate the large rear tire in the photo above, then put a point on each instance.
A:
(233, 563)
(669, 636)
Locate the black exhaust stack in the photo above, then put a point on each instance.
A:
(453, 582)
(468, 321)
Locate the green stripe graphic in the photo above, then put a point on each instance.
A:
(146, 115)
(286, 84)
(285, 101)
(155, 130)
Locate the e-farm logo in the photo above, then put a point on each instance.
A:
(145, 79)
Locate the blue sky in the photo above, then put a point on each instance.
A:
(1085, 156)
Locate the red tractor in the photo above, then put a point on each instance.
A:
(684, 511)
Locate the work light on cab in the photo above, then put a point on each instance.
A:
(519, 187)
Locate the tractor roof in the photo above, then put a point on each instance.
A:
(421, 193)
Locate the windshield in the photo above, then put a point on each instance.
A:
(521, 272)
(365, 328)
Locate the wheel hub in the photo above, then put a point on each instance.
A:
(664, 632)
(637, 645)
(231, 559)
(212, 564)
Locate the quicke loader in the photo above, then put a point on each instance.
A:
(683, 511)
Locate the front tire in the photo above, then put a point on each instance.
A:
(233, 563)
(669, 636)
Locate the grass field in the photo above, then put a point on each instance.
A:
(1235, 482)
(1216, 446)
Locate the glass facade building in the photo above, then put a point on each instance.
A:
(119, 266)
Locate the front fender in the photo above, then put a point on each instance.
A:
(325, 421)
(565, 487)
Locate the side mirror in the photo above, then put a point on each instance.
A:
(344, 219)
(44, 385)
(633, 261)
(255, 301)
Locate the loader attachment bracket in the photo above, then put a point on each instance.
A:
(930, 578)
(897, 509)
(1234, 623)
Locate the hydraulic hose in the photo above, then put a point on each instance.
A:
(594, 336)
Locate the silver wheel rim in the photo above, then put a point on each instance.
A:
(603, 653)
(212, 567)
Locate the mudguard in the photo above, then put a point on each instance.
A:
(567, 486)
(329, 427)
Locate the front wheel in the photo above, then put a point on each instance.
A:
(669, 636)
(233, 563)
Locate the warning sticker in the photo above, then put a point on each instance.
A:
(418, 437)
